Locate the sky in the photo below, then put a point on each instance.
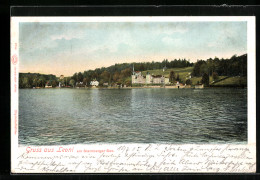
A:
(63, 48)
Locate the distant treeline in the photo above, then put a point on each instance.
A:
(235, 66)
(120, 73)
(115, 74)
(143, 66)
(29, 80)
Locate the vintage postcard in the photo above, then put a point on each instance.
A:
(133, 94)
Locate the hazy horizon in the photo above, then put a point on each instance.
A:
(112, 65)
(68, 47)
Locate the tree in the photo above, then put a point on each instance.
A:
(205, 79)
(80, 77)
(101, 82)
(233, 57)
(141, 68)
(172, 77)
(30, 81)
(35, 82)
(42, 81)
(121, 77)
(188, 82)
(126, 72)
(85, 81)
(197, 70)
(116, 76)
(128, 82)
(210, 66)
(75, 77)
(72, 82)
(204, 68)
(62, 81)
(178, 77)
(105, 76)
(215, 76)
(94, 75)
(54, 83)
(25, 82)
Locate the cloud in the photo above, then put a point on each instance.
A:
(176, 30)
(170, 30)
(115, 39)
(170, 40)
(212, 44)
(67, 36)
(90, 45)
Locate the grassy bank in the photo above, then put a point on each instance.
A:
(223, 81)
(235, 81)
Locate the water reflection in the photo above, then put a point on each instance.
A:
(73, 116)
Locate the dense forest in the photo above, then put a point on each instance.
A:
(29, 80)
(234, 66)
(115, 74)
(121, 73)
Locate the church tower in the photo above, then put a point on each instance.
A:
(133, 75)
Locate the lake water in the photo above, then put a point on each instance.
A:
(82, 116)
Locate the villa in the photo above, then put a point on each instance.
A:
(138, 78)
(94, 83)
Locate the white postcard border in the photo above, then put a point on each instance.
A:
(56, 159)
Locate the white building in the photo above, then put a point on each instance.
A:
(199, 86)
(166, 81)
(48, 86)
(149, 79)
(138, 78)
(94, 83)
(164, 68)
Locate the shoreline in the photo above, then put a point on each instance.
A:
(144, 87)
